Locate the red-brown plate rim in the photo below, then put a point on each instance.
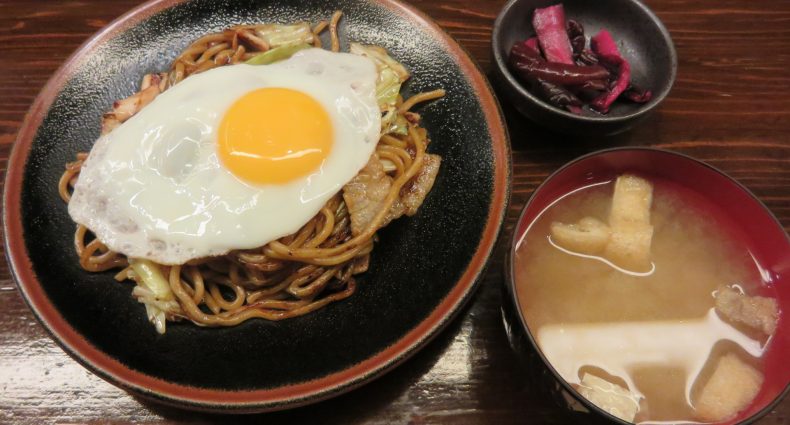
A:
(249, 400)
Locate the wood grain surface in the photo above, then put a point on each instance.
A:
(730, 107)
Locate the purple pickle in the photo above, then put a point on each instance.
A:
(637, 94)
(549, 24)
(605, 47)
(527, 62)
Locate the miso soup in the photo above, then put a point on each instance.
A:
(639, 294)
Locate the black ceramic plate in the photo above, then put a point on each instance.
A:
(423, 269)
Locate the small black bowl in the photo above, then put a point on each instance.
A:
(642, 39)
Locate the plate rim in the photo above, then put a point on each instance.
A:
(258, 400)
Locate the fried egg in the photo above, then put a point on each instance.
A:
(231, 158)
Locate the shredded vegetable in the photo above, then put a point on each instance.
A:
(387, 88)
(277, 54)
(149, 275)
(153, 291)
(280, 35)
(394, 123)
(381, 58)
(391, 75)
(606, 48)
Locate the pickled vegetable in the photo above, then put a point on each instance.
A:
(558, 66)
(605, 47)
(529, 64)
(549, 24)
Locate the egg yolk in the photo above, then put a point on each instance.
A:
(274, 135)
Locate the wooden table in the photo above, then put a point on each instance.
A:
(730, 107)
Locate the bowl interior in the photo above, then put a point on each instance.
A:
(641, 38)
(755, 227)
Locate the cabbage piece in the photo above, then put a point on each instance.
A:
(388, 165)
(391, 74)
(394, 123)
(150, 276)
(157, 317)
(279, 35)
(387, 88)
(153, 290)
(277, 54)
(156, 310)
(381, 58)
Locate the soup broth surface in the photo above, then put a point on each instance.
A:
(654, 333)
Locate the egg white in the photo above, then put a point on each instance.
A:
(155, 188)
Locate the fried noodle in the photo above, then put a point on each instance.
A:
(288, 277)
